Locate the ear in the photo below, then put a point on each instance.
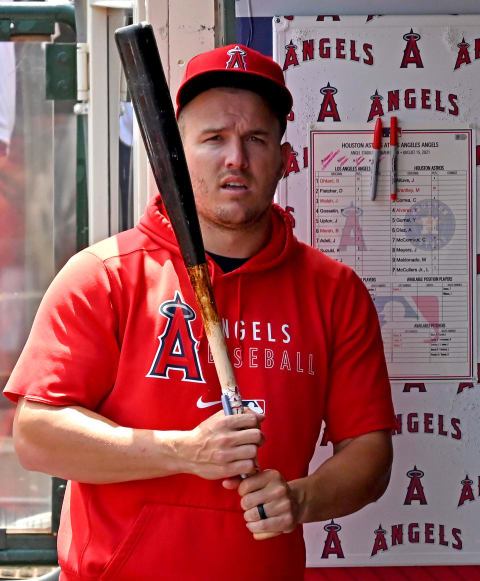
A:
(285, 152)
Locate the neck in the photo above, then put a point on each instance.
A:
(241, 242)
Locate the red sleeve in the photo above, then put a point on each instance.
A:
(71, 355)
(359, 397)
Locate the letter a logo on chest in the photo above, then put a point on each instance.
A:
(178, 347)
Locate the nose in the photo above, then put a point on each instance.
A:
(236, 156)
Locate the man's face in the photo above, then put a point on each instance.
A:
(232, 145)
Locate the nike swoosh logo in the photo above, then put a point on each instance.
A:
(206, 404)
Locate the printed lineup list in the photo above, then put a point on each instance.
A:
(414, 253)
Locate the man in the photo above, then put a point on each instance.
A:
(117, 393)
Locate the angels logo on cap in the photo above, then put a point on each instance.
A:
(237, 59)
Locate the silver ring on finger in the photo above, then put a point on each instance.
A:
(261, 511)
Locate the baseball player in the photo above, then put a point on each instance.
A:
(116, 390)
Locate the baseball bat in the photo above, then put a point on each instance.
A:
(153, 107)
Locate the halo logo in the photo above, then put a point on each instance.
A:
(237, 59)
(415, 490)
(467, 492)
(411, 54)
(178, 346)
(328, 107)
(332, 545)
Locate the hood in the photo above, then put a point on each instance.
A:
(155, 224)
(279, 248)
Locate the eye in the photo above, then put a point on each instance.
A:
(256, 139)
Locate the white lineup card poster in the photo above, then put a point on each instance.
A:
(345, 73)
(415, 253)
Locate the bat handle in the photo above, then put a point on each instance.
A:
(227, 408)
(231, 398)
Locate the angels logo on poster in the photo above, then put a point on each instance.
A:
(333, 545)
(468, 494)
(411, 54)
(467, 52)
(417, 532)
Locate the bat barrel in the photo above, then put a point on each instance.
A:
(156, 119)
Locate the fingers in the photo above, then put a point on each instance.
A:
(224, 446)
(239, 438)
(243, 421)
(269, 489)
(279, 515)
(230, 451)
(258, 482)
(233, 469)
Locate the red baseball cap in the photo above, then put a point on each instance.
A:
(236, 66)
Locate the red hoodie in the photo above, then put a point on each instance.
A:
(118, 332)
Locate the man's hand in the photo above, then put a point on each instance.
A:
(75, 443)
(223, 446)
(354, 476)
(269, 488)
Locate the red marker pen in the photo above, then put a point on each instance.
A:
(377, 146)
(393, 158)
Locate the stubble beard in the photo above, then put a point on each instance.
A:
(240, 218)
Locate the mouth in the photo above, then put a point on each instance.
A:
(234, 184)
(234, 187)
